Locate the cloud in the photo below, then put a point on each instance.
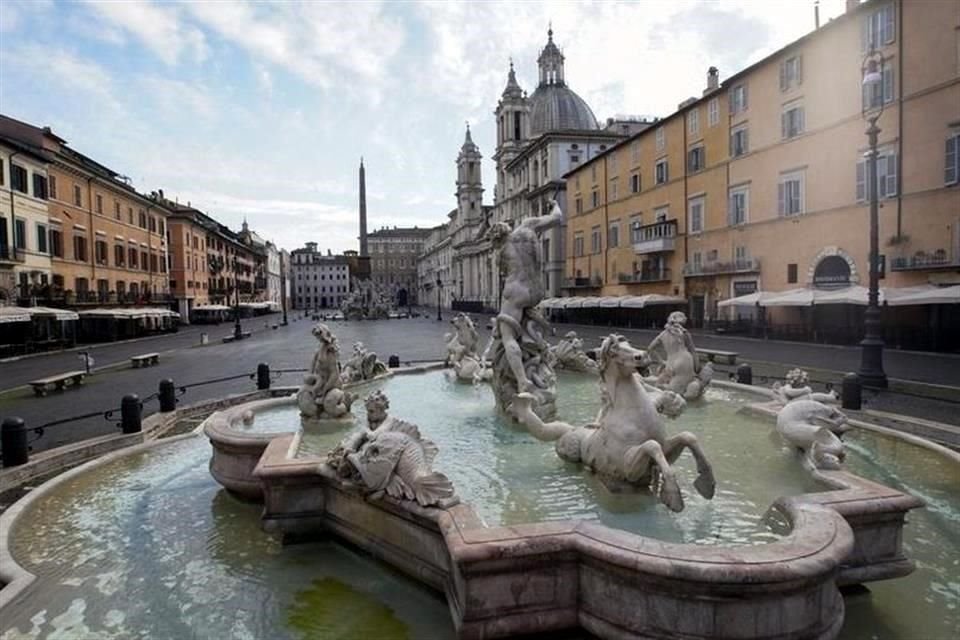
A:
(158, 27)
(179, 98)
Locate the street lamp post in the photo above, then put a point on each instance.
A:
(871, 356)
(439, 284)
(237, 329)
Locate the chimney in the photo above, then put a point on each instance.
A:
(851, 5)
(713, 80)
(363, 211)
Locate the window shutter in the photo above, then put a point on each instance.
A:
(730, 213)
(800, 124)
(799, 69)
(888, 85)
(861, 181)
(784, 124)
(732, 105)
(951, 156)
(744, 105)
(891, 178)
(781, 198)
(783, 75)
(745, 141)
(889, 31)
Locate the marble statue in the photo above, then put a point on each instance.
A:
(569, 354)
(462, 352)
(627, 446)
(362, 365)
(366, 301)
(675, 361)
(391, 457)
(796, 387)
(321, 395)
(520, 357)
(814, 428)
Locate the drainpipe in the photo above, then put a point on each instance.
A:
(13, 225)
(899, 116)
(93, 240)
(149, 253)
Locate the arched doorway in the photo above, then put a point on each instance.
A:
(402, 298)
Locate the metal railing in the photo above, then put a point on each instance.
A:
(922, 260)
(746, 265)
(652, 275)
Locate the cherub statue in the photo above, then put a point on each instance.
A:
(796, 387)
(321, 395)
(362, 365)
(679, 364)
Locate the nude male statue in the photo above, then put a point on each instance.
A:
(523, 282)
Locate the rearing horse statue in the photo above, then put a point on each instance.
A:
(627, 446)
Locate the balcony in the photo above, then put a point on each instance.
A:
(748, 265)
(658, 237)
(11, 254)
(583, 283)
(923, 261)
(651, 275)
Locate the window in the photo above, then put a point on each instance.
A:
(660, 170)
(951, 161)
(100, 251)
(738, 99)
(697, 262)
(790, 194)
(595, 199)
(613, 234)
(119, 255)
(52, 184)
(877, 94)
(77, 196)
(635, 224)
(635, 183)
(614, 189)
(886, 176)
(2, 182)
(791, 121)
(693, 122)
(18, 178)
(99, 200)
(578, 245)
(695, 210)
(878, 28)
(791, 72)
(20, 233)
(593, 172)
(41, 238)
(696, 159)
(574, 159)
(713, 112)
(660, 214)
(635, 153)
(738, 205)
(39, 186)
(130, 215)
(56, 243)
(79, 248)
(142, 219)
(132, 255)
(792, 273)
(740, 256)
(661, 139)
(116, 209)
(613, 163)
(595, 240)
(739, 141)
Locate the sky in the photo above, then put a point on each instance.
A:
(263, 110)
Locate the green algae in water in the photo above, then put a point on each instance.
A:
(332, 610)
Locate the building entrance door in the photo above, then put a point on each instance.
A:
(696, 311)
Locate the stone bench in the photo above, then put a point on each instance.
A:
(712, 355)
(145, 360)
(59, 382)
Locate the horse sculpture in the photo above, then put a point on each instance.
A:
(627, 446)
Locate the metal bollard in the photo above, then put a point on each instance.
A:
(394, 361)
(852, 395)
(13, 440)
(131, 414)
(167, 396)
(744, 374)
(263, 376)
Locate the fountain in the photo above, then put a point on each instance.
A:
(452, 485)
(568, 354)
(462, 351)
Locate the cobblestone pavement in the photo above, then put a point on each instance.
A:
(291, 347)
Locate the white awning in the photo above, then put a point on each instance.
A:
(571, 303)
(791, 298)
(212, 307)
(549, 303)
(749, 300)
(13, 314)
(609, 302)
(924, 295)
(648, 300)
(48, 312)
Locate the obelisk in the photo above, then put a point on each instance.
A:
(363, 211)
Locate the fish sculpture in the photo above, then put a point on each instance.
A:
(397, 460)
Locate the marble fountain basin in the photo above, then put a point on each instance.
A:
(537, 545)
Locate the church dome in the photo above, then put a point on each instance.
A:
(557, 107)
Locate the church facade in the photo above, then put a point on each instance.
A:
(540, 137)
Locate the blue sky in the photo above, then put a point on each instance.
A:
(264, 109)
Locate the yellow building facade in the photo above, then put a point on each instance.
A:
(779, 199)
